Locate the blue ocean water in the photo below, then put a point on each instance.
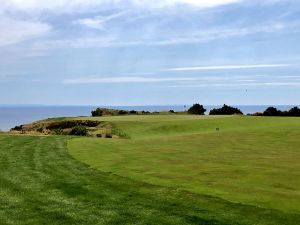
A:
(11, 116)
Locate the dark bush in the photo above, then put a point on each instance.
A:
(171, 111)
(122, 112)
(97, 112)
(197, 109)
(294, 112)
(133, 112)
(104, 112)
(72, 123)
(79, 131)
(256, 114)
(272, 111)
(18, 128)
(225, 110)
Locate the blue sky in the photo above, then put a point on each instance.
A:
(142, 52)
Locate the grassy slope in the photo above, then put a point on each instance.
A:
(252, 160)
(41, 184)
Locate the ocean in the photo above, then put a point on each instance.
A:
(11, 116)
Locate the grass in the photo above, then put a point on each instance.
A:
(41, 184)
(247, 173)
(251, 160)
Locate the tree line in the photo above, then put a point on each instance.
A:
(229, 110)
(272, 111)
(197, 109)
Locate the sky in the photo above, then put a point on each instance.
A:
(150, 52)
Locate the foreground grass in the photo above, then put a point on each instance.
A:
(251, 160)
(41, 184)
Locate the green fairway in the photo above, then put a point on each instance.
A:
(250, 160)
(41, 184)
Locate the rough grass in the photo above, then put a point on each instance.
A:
(250, 160)
(41, 184)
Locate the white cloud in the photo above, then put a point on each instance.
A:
(257, 84)
(15, 31)
(127, 80)
(143, 79)
(67, 5)
(227, 67)
(222, 33)
(188, 38)
(99, 21)
(194, 3)
(157, 79)
(243, 81)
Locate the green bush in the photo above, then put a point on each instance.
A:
(58, 131)
(133, 112)
(226, 110)
(197, 109)
(79, 131)
(122, 112)
(97, 112)
(272, 111)
(71, 124)
(145, 112)
(18, 128)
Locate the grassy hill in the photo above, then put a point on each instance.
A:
(250, 160)
(168, 169)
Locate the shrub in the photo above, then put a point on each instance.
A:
(72, 123)
(294, 112)
(97, 112)
(272, 111)
(18, 128)
(225, 110)
(122, 112)
(256, 114)
(104, 112)
(58, 131)
(133, 112)
(171, 111)
(79, 131)
(197, 109)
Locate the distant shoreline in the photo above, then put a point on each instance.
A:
(13, 115)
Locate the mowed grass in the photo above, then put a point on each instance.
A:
(40, 183)
(250, 160)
